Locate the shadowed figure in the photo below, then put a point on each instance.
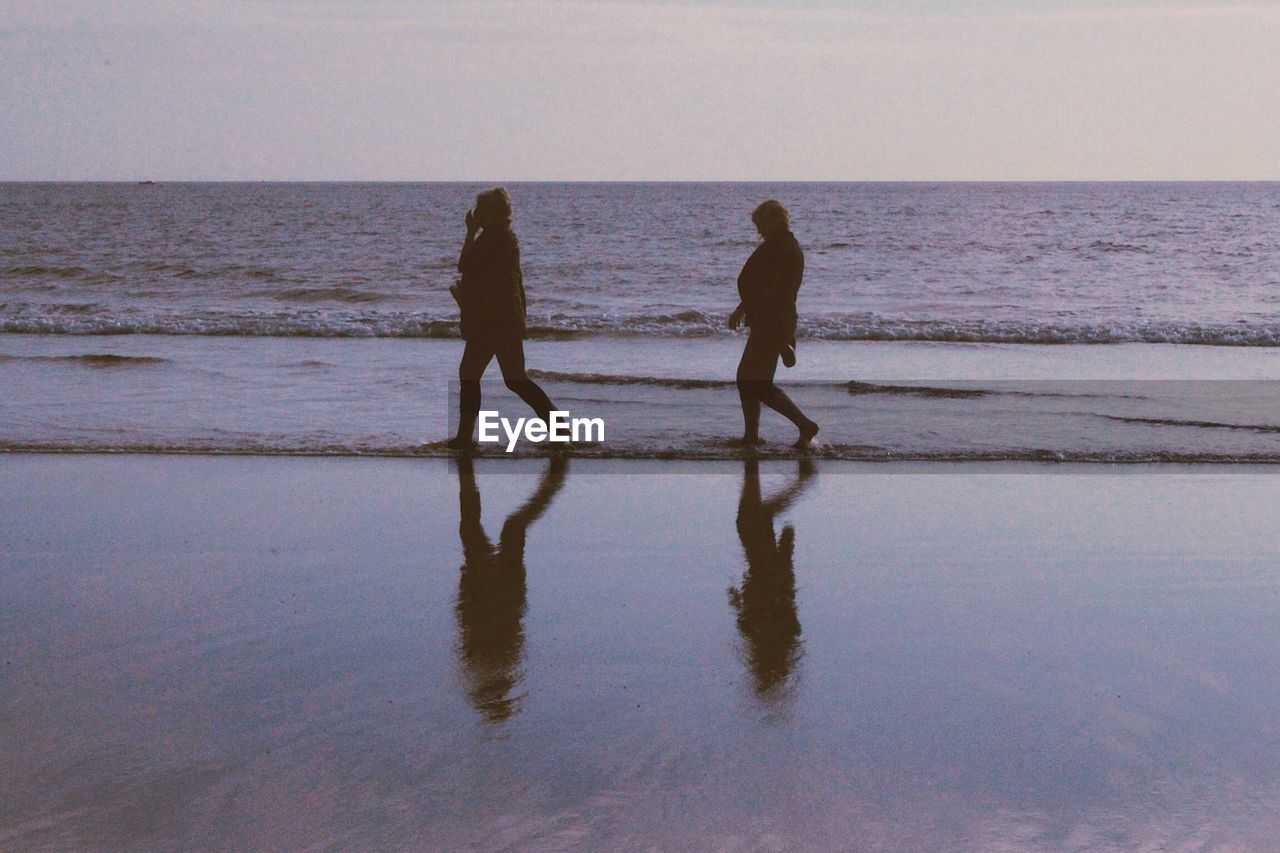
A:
(766, 599)
(491, 298)
(768, 285)
(491, 592)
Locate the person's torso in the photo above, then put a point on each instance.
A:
(492, 292)
(770, 279)
(492, 273)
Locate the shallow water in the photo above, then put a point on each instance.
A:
(248, 653)
(669, 397)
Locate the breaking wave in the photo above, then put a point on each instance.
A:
(610, 379)
(338, 323)
(90, 359)
(858, 388)
(1177, 422)
(324, 294)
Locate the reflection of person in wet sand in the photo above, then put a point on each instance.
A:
(491, 592)
(766, 600)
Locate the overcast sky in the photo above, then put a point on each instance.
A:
(557, 90)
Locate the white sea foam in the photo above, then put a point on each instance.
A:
(57, 320)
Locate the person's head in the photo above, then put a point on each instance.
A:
(493, 208)
(771, 218)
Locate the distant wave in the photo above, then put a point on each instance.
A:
(1012, 332)
(1176, 422)
(610, 379)
(854, 388)
(1110, 246)
(83, 308)
(323, 294)
(858, 388)
(247, 324)
(90, 359)
(36, 270)
(25, 318)
(703, 451)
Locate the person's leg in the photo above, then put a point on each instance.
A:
(753, 375)
(760, 364)
(777, 399)
(475, 359)
(511, 362)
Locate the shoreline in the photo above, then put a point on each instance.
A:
(910, 464)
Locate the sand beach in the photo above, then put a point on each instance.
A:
(272, 653)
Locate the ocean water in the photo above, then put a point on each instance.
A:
(948, 321)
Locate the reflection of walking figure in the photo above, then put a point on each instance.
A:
(766, 600)
(767, 286)
(492, 302)
(491, 592)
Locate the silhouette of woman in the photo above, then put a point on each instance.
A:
(766, 600)
(491, 592)
(492, 301)
(767, 286)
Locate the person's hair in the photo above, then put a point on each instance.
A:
(772, 213)
(497, 201)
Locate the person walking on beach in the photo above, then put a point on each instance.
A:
(492, 301)
(767, 286)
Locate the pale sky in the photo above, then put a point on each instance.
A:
(565, 90)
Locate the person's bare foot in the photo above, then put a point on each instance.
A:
(807, 432)
(747, 441)
(459, 443)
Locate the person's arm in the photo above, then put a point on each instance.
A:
(784, 282)
(744, 284)
(735, 317)
(468, 244)
(468, 263)
(793, 274)
(519, 277)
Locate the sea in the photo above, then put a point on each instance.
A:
(1092, 322)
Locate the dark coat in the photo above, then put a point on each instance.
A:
(491, 294)
(768, 285)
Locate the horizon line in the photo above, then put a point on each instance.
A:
(517, 181)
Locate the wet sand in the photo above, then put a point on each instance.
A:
(252, 653)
